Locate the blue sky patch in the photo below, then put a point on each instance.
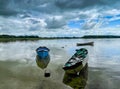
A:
(76, 24)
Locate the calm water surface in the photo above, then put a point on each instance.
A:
(18, 68)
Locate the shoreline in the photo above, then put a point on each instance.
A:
(11, 38)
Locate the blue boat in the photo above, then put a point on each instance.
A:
(43, 52)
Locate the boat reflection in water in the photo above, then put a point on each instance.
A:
(77, 80)
(42, 63)
(43, 58)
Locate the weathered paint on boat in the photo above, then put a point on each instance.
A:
(42, 52)
(75, 64)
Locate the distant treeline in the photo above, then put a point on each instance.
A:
(100, 36)
(26, 37)
(12, 36)
(59, 37)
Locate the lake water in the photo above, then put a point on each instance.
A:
(18, 68)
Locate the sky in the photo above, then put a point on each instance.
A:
(48, 18)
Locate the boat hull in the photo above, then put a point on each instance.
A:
(77, 61)
(42, 52)
(77, 67)
(86, 44)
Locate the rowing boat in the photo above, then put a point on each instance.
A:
(42, 52)
(77, 61)
(86, 44)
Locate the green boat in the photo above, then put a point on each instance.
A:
(77, 61)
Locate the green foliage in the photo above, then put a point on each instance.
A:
(12, 36)
(100, 36)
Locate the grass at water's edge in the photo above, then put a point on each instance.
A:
(10, 38)
(33, 39)
(17, 39)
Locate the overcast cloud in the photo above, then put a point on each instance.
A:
(51, 17)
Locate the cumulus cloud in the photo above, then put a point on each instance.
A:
(51, 17)
(77, 4)
(55, 22)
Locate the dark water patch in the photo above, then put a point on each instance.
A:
(51, 84)
(99, 78)
(18, 76)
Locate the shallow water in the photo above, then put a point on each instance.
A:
(18, 68)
